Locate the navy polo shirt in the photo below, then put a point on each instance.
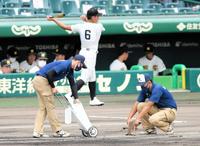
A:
(62, 68)
(159, 95)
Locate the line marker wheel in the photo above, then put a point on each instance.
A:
(92, 132)
(84, 133)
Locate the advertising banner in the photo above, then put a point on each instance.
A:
(113, 25)
(118, 82)
(193, 79)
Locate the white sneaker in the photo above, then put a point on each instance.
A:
(40, 135)
(61, 133)
(96, 102)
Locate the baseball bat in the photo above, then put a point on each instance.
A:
(59, 15)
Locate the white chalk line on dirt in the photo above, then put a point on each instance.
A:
(73, 124)
(125, 118)
(107, 123)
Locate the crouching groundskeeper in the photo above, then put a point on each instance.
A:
(155, 106)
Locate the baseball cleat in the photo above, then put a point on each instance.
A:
(96, 102)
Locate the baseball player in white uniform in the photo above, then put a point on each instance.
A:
(5, 66)
(12, 55)
(30, 62)
(118, 64)
(152, 62)
(90, 31)
(41, 62)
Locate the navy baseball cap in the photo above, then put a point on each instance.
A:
(32, 50)
(13, 52)
(148, 48)
(6, 63)
(42, 55)
(60, 51)
(81, 59)
(143, 78)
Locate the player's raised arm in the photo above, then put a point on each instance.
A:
(83, 18)
(61, 24)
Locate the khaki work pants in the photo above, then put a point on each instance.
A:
(46, 105)
(160, 118)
